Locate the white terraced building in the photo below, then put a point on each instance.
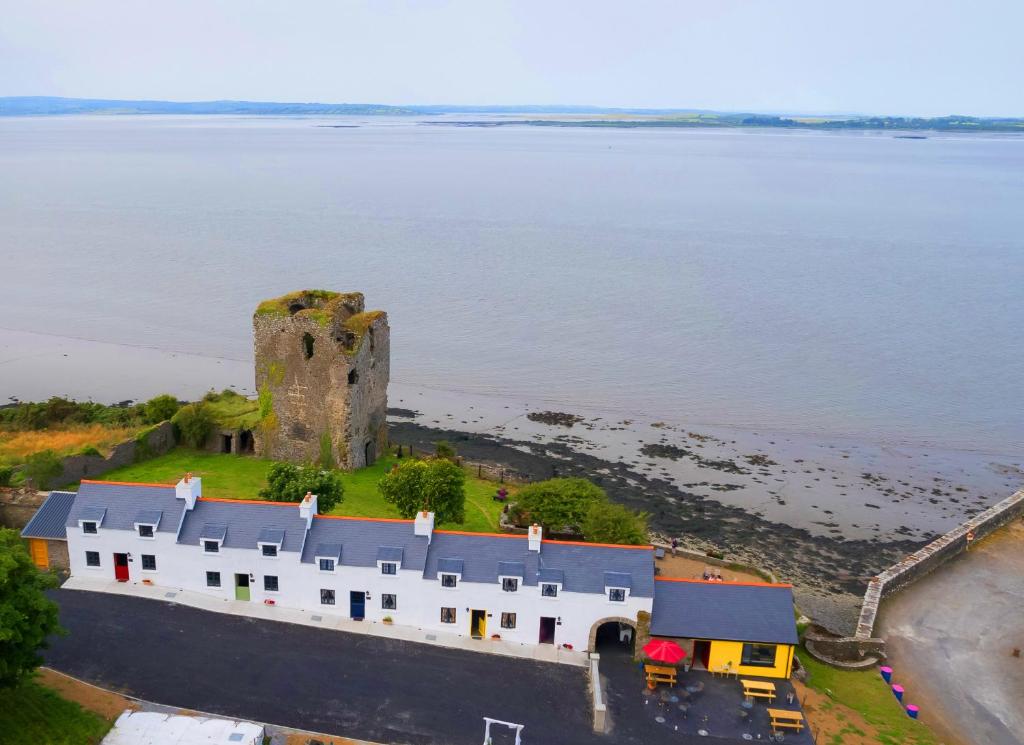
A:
(523, 588)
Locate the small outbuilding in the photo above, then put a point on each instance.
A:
(736, 627)
(46, 533)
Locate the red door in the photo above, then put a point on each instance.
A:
(121, 567)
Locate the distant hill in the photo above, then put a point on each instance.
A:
(52, 106)
(597, 116)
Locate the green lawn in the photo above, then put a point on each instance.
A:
(241, 477)
(866, 693)
(31, 714)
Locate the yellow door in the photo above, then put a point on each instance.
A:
(37, 548)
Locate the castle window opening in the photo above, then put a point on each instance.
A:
(353, 376)
(225, 443)
(307, 345)
(295, 308)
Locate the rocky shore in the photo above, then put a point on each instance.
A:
(721, 496)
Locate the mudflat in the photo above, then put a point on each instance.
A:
(951, 640)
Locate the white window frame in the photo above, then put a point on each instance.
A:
(154, 570)
(503, 578)
(220, 579)
(216, 541)
(93, 566)
(275, 576)
(277, 550)
(140, 526)
(383, 564)
(389, 594)
(334, 596)
(94, 523)
(442, 575)
(556, 585)
(334, 565)
(608, 594)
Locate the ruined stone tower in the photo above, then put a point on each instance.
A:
(322, 368)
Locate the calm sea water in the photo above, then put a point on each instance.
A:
(834, 283)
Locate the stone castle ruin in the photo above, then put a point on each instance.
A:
(322, 369)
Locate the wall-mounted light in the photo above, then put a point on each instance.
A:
(559, 621)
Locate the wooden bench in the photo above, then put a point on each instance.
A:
(659, 674)
(783, 719)
(758, 689)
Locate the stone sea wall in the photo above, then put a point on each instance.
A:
(863, 647)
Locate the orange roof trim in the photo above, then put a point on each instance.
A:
(604, 545)
(708, 582)
(125, 483)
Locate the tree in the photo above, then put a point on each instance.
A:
(560, 505)
(607, 522)
(161, 408)
(194, 423)
(437, 485)
(43, 467)
(287, 482)
(27, 616)
(444, 449)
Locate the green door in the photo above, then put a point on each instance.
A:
(241, 587)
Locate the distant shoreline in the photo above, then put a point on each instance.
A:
(596, 116)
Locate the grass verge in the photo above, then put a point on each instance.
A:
(31, 714)
(240, 477)
(883, 719)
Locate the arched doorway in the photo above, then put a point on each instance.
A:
(616, 635)
(370, 453)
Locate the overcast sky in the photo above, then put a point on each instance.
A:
(928, 57)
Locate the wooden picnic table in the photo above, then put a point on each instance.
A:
(781, 718)
(659, 674)
(758, 689)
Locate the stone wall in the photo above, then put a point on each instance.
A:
(17, 506)
(863, 644)
(322, 371)
(157, 441)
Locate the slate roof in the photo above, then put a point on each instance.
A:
(148, 517)
(328, 551)
(451, 566)
(245, 522)
(94, 514)
(618, 579)
(728, 611)
(123, 503)
(213, 532)
(511, 569)
(550, 575)
(480, 556)
(361, 540)
(51, 517)
(271, 535)
(584, 566)
(389, 553)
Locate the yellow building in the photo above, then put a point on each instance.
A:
(740, 627)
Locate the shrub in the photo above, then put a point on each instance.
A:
(287, 482)
(326, 451)
(90, 450)
(161, 408)
(444, 449)
(560, 505)
(42, 467)
(607, 522)
(436, 485)
(6, 474)
(194, 423)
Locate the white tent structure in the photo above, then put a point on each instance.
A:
(151, 728)
(511, 725)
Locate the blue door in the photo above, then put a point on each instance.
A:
(357, 605)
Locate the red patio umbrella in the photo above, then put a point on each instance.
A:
(664, 650)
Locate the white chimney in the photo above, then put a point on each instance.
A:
(307, 508)
(190, 488)
(424, 524)
(534, 536)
